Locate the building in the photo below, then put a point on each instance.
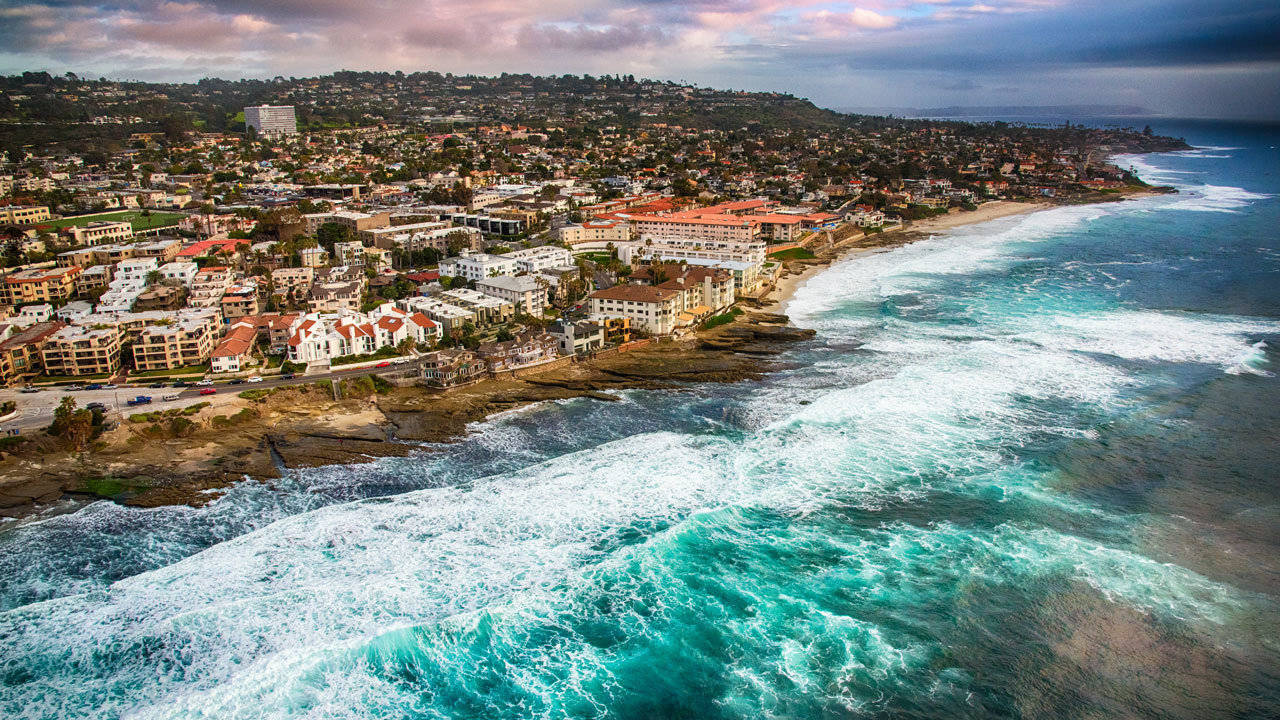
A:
(235, 351)
(293, 281)
(595, 231)
(448, 316)
(39, 286)
(733, 228)
(577, 338)
(452, 367)
(540, 258)
(161, 297)
(749, 251)
(179, 271)
(652, 309)
(271, 120)
(478, 266)
(23, 214)
(82, 350)
(527, 349)
(490, 225)
(239, 301)
(208, 287)
(21, 354)
(335, 296)
(487, 308)
(184, 341)
(96, 233)
(313, 257)
(325, 336)
(528, 294)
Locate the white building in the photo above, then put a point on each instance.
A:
(324, 336)
(541, 258)
(526, 293)
(478, 266)
(271, 120)
(182, 271)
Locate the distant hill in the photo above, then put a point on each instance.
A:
(1028, 112)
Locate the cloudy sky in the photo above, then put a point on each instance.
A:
(1216, 58)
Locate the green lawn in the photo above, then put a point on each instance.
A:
(135, 217)
(188, 370)
(798, 253)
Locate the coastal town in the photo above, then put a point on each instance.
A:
(164, 243)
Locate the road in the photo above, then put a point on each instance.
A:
(35, 410)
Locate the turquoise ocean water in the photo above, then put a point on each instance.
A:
(1027, 469)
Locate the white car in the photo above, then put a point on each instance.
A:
(255, 378)
(109, 387)
(205, 383)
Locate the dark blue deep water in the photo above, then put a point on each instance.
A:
(1027, 469)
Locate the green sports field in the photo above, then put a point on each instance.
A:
(139, 221)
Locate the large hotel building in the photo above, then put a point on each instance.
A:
(271, 120)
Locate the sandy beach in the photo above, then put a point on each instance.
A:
(798, 273)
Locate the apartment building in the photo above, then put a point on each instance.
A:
(527, 294)
(21, 353)
(290, 280)
(487, 308)
(378, 235)
(96, 233)
(24, 214)
(47, 285)
(180, 271)
(595, 231)
(452, 367)
(705, 227)
(652, 309)
(327, 297)
(349, 253)
(186, 340)
(478, 266)
(540, 258)
(271, 120)
(750, 251)
(209, 286)
(525, 350)
(324, 336)
(239, 301)
(82, 350)
(447, 316)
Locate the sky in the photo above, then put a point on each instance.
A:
(1189, 58)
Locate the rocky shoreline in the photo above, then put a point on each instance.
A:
(303, 427)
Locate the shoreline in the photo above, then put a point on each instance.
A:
(795, 277)
(798, 272)
(152, 465)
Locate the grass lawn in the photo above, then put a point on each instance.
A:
(797, 253)
(135, 217)
(188, 370)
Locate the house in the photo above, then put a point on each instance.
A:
(527, 349)
(335, 296)
(239, 301)
(235, 351)
(452, 367)
(577, 338)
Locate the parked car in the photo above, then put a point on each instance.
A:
(237, 381)
(29, 389)
(109, 387)
(384, 363)
(181, 383)
(204, 383)
(73, 387)
(208, 391)
(255, 379)
(95, 406)
(156, 385)
(140, 400)
(91, 386)
(288, 376)
(171, 397)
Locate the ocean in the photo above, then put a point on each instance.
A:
(1026, 469)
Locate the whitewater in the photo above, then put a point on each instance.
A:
(1006, 479)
